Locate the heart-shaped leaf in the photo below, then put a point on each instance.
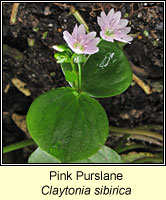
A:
(106, 73)
(68, 125)
(104, 155)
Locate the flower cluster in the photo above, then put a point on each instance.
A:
(112, 28)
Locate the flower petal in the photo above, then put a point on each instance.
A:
(101, 22)
(75, 32)
(124, 38)
(68, 38)
(120, 39)
(127, 38)
(105, 37)
(81, 30)
(89, 37)
(125, 30)
(123, 23)
(91, 50)
(116, 19)
(122, 32)
(110, 15)
(93, 42)
(104, 18)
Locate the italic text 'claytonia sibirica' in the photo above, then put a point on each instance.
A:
(114, 28)
(80, 42)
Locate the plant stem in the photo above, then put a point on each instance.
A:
(14, 13)
(148, 160)
(136, 132)
(79, 18)
(128, 148)
(74, 68)
(79, 71)
(18, 145)
(144, 86)
(150, 126)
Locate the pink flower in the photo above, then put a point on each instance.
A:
(80, 42)
(114, 28)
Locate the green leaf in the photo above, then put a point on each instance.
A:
(40, 156)
(62, 58)
(66, 67)
(67, 124)
(70, 76)
(106, 73)
(104, 155)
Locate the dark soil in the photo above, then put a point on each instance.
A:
(39, 69)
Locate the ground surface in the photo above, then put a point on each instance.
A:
(39, 70)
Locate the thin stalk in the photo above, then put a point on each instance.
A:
(144, 86)
(148, 160)
(128, 148)
(14, 13)
(79, 71)
(18, 145)
(74, 68)
(136, 132)
(79, 18)
(150, 126)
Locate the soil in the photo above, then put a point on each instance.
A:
(44, 23)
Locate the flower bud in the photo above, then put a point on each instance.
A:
(62, 58)
(60, 48)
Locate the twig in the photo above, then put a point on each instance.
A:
(96, 9)
(135, 11)
(148, 160)
(143, 138)
(135, 131)
(14, 13)
(150, 126)
(138, 70)
(14, 53)
(62, 5)
(144, 86)
(79, 18)
(128, 148)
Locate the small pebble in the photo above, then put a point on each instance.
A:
(159, 26)
(146, 34)
(64, 26)
(126, 15)
(47, 11)
(31, 42)
(52, 74)
(50, 25)
(139, 15)
(124, 116)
